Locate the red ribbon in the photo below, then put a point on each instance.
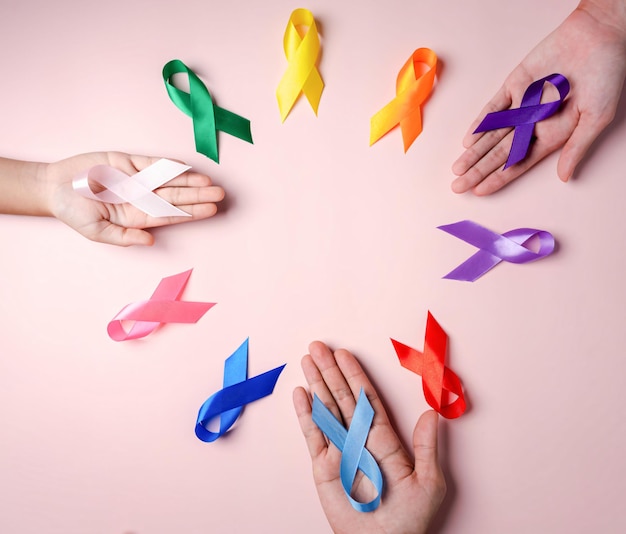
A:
(438, 381)
(164, 306)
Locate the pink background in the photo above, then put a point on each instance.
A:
(322, 237)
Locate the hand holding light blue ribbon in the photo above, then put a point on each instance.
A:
(523, 119)
(238, 390)
(495, 248)
(351, 443)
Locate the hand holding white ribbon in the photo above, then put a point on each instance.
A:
(136, 189)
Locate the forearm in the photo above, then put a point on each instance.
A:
(23, 188)
(611, 13)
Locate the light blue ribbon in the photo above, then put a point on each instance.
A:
(238, 390)
(351, 443)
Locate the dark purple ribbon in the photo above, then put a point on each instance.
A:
(495, 248)
(524, 118)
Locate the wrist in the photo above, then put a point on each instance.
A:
(43, 191)
(23, 188)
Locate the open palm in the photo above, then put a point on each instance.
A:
(123, 224)
(414, 488)
(591, 54)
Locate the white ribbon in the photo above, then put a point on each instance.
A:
(136, 189)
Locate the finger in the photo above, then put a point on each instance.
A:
(425, 440)
(334, 379)
(130, 163)
(356, 379)
(314, 437)
(583, 136)
(490, 141)
(427, 466)
(316, 382)
(197, 212)
(180, 196)
(140, 162)
(501, 100)
(491, 162)
(382, 441)
(113, 234)
(551, 134)
(189, 179)
(134, 163)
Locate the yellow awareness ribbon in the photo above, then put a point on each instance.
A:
(302, 51)
(412, 90)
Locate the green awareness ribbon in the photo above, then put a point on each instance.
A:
(207, 117)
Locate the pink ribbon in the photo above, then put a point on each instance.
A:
(164, 306)
(136, 189)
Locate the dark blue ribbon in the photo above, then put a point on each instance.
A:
(524, 118)
(238, 390)
(351, 443)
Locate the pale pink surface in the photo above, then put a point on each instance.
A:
(323, 237)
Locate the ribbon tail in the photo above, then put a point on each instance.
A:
(233, 124)
(313, 88)
(521, 144)
(474, 267)
(411, 127)
(287, 92)
(384, 120)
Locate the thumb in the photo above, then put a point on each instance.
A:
(425, 442)
(427, 469)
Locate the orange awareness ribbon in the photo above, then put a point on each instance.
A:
(438, 381)
(412, 90)
(302, 52)
(164, 306)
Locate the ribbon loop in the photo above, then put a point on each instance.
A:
(164, 306)
(351, 443)
(136, 189)
(207, 117)
(495, 248)
(412, 90)
(238, 390)
(524, 118)
(302, 53)
(438, 381)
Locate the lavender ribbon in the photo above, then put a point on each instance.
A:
(523, 119)
(495, 248)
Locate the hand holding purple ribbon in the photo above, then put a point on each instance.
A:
(523, 119)
(588, 48)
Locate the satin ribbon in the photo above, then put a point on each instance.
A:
(495, 248)
(523, 119)
(136, 189)
(438, 381)
(164, 306)
(207, 117)
(412, 90)
(351, 443)
(301, 76)
(238, 390)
